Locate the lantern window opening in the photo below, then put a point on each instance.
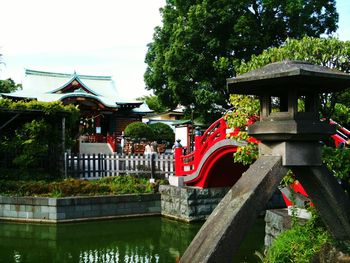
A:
(306, 103)
(301, 103)
(278, 104)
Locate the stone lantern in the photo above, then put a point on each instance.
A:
(289, 108)
(289, 136)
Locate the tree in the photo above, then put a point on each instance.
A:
(329, 52)
(138, 131)
(8, 85)
(200, 42)
(34, 140)
(153, 103)
(163, 132)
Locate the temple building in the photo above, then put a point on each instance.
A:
(103, 112)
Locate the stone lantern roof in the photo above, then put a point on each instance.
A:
(278, 77)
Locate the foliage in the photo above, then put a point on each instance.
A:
(329, 52)
(127, 184)
(197, 47)
(298, 244)
(29, 140)
(29, 174)
(47, 107)
(163, 132)
(338, 161)
(139, 130)
(244, 112)
(342, 113)
(246, 154)
(244, 108)
(153, 103)
(37, 134)
(8, 85)
(75, 187)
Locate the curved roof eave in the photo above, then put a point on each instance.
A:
(86, 95)
(14, 95)
(75, 77)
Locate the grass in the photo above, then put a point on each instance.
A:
(75, 187)
(304, 243)
(299, 245)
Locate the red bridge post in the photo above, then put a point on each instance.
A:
(197, 147)
(178, 159)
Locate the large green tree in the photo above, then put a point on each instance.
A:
(8, 85)
(329, 52)
(196, 48)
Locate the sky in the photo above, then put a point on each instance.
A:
(104, 37)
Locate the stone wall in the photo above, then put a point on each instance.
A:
(195, 204)
(181, 203)
(190, 204)
(77, 208)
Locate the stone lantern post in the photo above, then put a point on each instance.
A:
(290, 139)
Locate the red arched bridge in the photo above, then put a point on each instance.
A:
(211, 163)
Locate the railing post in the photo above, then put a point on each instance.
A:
(65, 164)
(197, 146)
(223, 127)
(153, 164)
(178, 159)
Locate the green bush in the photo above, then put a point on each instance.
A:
(15, 174)
(34, 141)
(163, 132)
(74, 187)
(127, 184)
(337, 160)
(298, 244)
(139, 130)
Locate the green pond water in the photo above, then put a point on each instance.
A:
(136, 240)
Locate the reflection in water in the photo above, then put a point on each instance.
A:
(113, 255)
(138, 240)
(149, 239)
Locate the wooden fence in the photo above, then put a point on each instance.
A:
(95, 166)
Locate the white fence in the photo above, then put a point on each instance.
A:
(94, 166)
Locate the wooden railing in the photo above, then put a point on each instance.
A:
(111, 140)
(188, 164)
(95, 166)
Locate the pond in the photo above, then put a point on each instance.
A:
(132, 240)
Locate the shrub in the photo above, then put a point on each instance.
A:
(298, 244)
(127, 184)
(74, 187)
(139, 130)
(163, 132)
(33, 142)
(338, 161)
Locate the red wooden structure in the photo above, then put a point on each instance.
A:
(342, 136)
(211, 163)
(212, 157)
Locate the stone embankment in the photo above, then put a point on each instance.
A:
(68, 209)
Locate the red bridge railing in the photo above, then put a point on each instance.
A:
(188, 164)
